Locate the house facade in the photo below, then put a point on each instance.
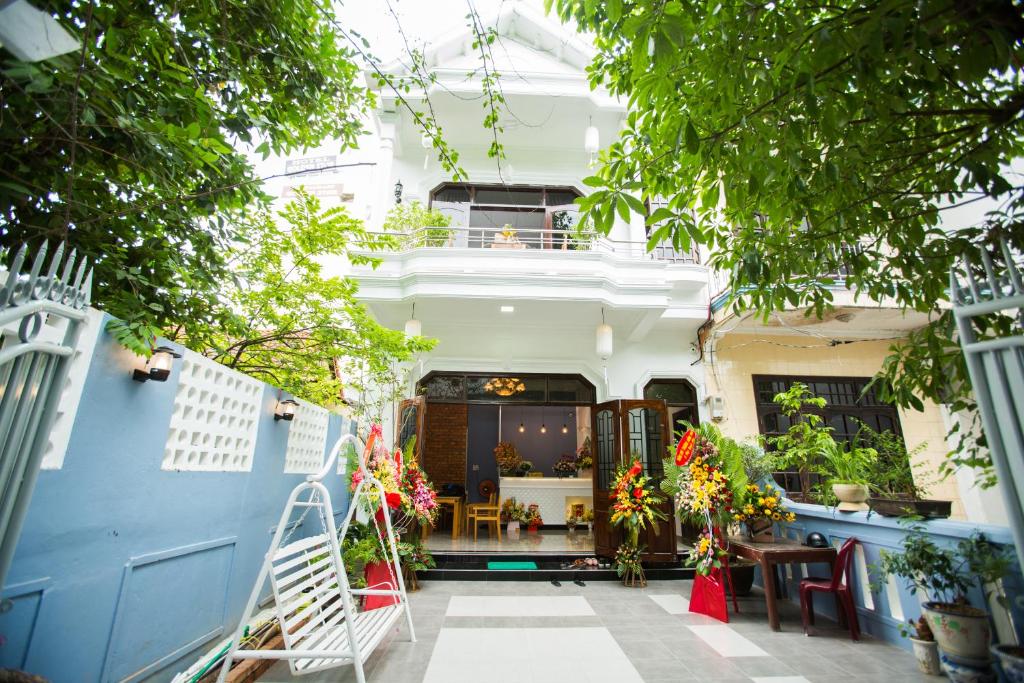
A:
(511, 292)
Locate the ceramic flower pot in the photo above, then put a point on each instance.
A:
(927, 654)
(1011, 661)
(852, 497)
(960, 631)
(513, 529)
(967, 670)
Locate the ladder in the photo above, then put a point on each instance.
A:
(321, 626)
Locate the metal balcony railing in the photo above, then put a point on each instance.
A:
(537, 239)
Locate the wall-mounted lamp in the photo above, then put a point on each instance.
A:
(398, 192)
(158, 367)
(285, 410)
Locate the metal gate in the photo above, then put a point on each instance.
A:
(33, 372)
(996, 366)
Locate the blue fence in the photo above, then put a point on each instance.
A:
(125, 571)
(882, 611)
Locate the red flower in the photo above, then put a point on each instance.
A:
(637, 492)
(636, 469)
(393, 499)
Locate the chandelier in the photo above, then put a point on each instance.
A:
(505, 386)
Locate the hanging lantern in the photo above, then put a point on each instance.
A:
(592, 142)
(604, 340)
(413, 327)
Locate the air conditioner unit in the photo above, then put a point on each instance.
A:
(716, 405)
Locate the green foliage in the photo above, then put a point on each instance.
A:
(282, 319)
(360, 546)
(424, 227)
(945, 574)
(799, 140)
(892, 472)
(127, 150)
(804, 443)
(758, 464)
(845, 465)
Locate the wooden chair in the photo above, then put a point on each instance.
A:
(471, 508)
(839, 585)
(492, 514)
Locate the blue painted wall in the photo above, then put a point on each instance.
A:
(877, 614)
(127, 572)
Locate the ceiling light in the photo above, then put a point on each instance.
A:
(508, 309)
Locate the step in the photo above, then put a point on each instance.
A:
(473, 567)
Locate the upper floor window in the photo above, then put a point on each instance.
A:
(512, 216)
(681, 398)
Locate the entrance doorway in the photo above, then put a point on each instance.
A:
(624, 431)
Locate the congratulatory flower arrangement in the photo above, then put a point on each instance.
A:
(634, 508)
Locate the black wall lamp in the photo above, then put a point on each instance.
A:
(398, 192)
(285, 410)
(158, 367)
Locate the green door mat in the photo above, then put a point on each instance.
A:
(511, 565)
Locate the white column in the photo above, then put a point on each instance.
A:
(383, 183)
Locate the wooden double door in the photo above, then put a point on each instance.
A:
(623, 431)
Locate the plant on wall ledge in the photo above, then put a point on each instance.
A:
(420, 225)
(803, 444)
(508, 458)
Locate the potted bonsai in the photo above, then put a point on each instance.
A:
(946, 575)
(926, 650)
(801, 447)
(895, 491)
(848, 470)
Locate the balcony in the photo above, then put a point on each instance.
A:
(541, 239)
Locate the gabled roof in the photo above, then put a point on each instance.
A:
(528, 43)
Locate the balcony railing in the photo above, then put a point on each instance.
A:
(537, 239)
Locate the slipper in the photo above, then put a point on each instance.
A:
(556, 583)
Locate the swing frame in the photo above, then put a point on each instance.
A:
(352, 639)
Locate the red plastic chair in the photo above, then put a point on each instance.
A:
(839, 585)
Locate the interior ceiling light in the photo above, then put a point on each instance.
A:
(508, 309)
(505, 386)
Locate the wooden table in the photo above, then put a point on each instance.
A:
(456, 503)
(782, 551)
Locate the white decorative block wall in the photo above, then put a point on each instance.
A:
(71, 395)
(215, 418)
(307, 440)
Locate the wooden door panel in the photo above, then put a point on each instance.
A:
(607, 456)
(645, 435)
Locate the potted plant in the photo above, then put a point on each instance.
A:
(946, 575)
(926, 650)
(895, 490)
(566, 465)
(524, 468)
(847, 470)
(508, 458)
(584, 458)
(415, 558)
(759, 509)
(801, 447)
(1011, 661)
(533, 518)
(588, 517)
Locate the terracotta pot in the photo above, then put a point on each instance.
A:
(1011, 661)
(927, 654)
(959, 630)
(852, 497)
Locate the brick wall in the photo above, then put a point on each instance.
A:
(444, 443)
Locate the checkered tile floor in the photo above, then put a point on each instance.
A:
(483, 632)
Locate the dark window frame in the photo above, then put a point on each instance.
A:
(546, 376)
(472, 188)
(672, 406)
(858, 409)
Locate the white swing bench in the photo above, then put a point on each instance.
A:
(320, 625)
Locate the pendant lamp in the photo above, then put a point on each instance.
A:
(604, 339)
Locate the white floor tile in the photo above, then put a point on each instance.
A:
(540, 655)
(672, 603)
(727, 642)
(780, 679)
(519, 606)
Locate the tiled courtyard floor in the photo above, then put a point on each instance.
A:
(498, 632)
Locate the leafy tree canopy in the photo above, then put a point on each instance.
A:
(282, 319)
(126, 149)
(796, 139)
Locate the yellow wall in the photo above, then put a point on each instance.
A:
(737, 357)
